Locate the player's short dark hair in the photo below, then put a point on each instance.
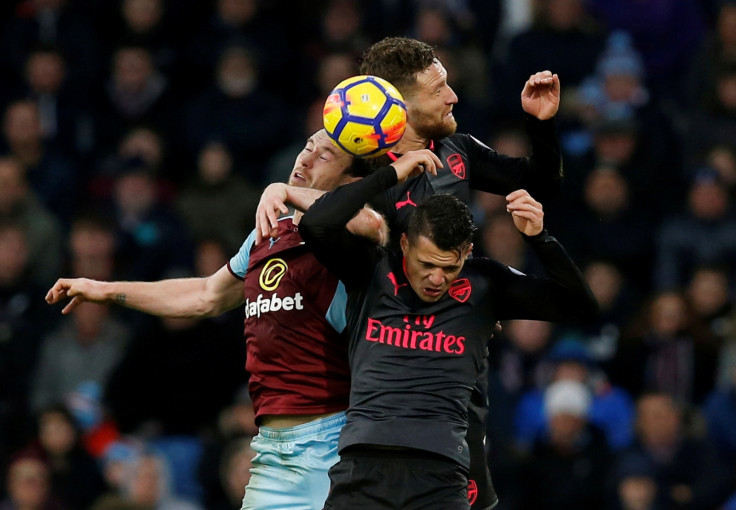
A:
(398, 60)
(360, 167)
(445, 220)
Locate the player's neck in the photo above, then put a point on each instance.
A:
(410, 141)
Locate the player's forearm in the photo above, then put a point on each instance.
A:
(181, 297)
(562, 270)
(302, 198)
(545, 179)
(339, 206)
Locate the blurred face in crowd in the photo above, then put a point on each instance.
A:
(45, 72)
(13, 254)
(529, 336)
(13, 186)
(56, 433)
(658, 420)
(145, 487)
(605, 281)
(142, 15)
(215, 163)
(708, 291)
(28, 483)
(145, 144)
(606, 192)
(637, 492)
(668, 314)
(236, 73)
(236, 12)
(135, 192)
(132, 68)
(321, 164)
(22, 124)
(708, 199)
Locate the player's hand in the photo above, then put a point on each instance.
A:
(526, 212)
(270, 207)
(413, 163)
(541, 95)
(371, 225)
(79, 289)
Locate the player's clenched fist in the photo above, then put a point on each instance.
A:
(79, 289)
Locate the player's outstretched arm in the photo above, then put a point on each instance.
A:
(541, 95)
(180, 297)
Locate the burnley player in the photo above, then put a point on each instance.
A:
(418, 323)
(294, 320)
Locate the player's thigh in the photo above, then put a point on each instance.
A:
(291, 474)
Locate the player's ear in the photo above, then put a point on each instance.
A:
(404, 241)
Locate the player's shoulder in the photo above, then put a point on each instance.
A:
(463, 143)
(485, 267)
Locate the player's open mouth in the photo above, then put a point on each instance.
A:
(299, 177)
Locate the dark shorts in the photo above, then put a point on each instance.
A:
(367, 479)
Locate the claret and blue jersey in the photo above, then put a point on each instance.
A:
(294, 322)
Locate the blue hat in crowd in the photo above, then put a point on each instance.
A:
(570, 349)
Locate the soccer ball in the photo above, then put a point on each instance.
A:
(365, 116)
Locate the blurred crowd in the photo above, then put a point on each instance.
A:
(136, 138)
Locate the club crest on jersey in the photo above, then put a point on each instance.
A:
(460, 290)
(271, 274)
(457, 165)
(472, 491)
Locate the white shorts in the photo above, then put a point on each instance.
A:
(290, 467)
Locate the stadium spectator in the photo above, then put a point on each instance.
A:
(238, 110)
(611, 408)
(663, 439)
(28, 486)
(75, 478)
(634, 484)
(666, 349)
(22, 326)
(152, 239)
(136, 92)
(66, 121)
(218, 201)
(83, 348)
(52, 175)
(551, 474)
(52, 22)
(43, 234)
(702, 232)
(610, 224)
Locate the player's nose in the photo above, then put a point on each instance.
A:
(436, 277)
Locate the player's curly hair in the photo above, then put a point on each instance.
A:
(445, 220)
(398, 60)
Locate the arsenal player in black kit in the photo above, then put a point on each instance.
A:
(418, 322)
(414, 69)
